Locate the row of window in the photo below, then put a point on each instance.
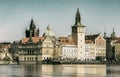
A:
(29, 52)
(30, 58)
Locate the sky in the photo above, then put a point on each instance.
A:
(97, 15)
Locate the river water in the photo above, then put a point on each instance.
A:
(32, 70)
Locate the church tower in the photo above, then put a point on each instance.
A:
(78, 35)
(32, 30)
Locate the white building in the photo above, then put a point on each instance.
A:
(69, 52)
(66, 48)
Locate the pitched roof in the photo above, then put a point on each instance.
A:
(35, 39)
(117, 39)
(91, 37)
(88, 41)
(65, 40)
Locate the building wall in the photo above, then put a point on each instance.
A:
(29, 58)
(117, 50)
(47, 49)
(81, 43)
(100, 43)
(69, 52)
(90, 51)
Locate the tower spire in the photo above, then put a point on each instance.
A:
(113, 33)
(32, 25)
(77, 18)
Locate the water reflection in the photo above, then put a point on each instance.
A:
(32, 70)
(113, 71)
(65, 70)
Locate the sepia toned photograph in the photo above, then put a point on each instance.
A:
(59, 38)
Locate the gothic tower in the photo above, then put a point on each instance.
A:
(32, 30)
(78, 35)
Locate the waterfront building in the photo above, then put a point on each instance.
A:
(48, 44)
(97, 46)
(34, 48)
(67, 47)
(29, 48)
(112, 44)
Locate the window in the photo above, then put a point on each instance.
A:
(47, 52)
(44, 58)
(32, 58)
(24, 58)
(27, 58)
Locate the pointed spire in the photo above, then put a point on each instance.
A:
(105, 33)
(78, 18)
(113, 34)
(32, 25)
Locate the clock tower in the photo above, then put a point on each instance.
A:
(78, 36)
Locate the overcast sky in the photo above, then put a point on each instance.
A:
(96, 15)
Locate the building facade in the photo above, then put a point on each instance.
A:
(117, 50)
(48, 44)
(66, 48)
(34, 48)
(97, 46)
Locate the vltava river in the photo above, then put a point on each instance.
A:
(31, 70)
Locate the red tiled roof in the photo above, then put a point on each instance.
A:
(65, 40)
(35, 39)
(88, 41)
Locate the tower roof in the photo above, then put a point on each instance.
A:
(77, 18)
(32, 25)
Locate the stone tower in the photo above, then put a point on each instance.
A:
(32, 30)
(78, 36)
